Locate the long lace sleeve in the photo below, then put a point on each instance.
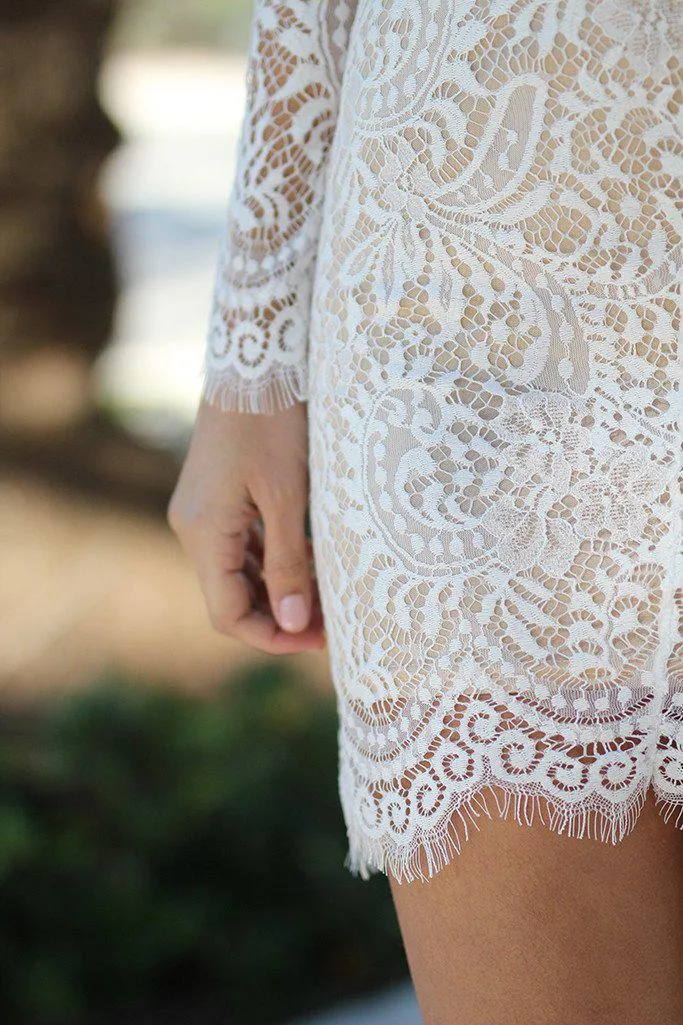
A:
(256, 357)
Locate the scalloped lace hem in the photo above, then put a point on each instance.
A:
(436, 849)
(272, 393)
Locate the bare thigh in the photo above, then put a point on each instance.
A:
(528, 927)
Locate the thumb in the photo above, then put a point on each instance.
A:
(286, 567)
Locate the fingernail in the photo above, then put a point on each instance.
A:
(293, 612)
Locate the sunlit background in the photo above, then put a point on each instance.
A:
(171, 841)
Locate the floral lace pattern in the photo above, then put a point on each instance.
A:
(493, 387)
(256, 353)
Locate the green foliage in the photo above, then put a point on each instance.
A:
(159, 849)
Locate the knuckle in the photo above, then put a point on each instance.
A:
(173, 514)
(285, 561)
(184, 515)
(197, 513)
(283, 491)
(221, 621)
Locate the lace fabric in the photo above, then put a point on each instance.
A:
(482, 310)
(256, 358)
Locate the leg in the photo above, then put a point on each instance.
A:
(527, 927)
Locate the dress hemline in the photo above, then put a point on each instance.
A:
(436, 849)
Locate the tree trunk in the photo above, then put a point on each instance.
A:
(57, 277)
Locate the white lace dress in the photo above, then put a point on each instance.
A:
(455, 230)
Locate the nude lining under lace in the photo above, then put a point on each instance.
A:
(455, 232)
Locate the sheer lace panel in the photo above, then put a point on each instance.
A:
(256, 356)
(456, 231)
(496, 416)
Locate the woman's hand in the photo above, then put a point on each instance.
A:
(239, 510)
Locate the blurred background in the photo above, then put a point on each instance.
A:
(171, 842)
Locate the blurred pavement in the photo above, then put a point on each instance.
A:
(395, 1007)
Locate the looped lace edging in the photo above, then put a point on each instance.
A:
(272, 393)
(366, 857)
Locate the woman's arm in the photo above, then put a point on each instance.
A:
(256, 353)
(240, 502)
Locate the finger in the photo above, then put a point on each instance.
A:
(226, 577)
(254, 570)
(255, 541)
(238, 603)
(286, 562)
(227, 599)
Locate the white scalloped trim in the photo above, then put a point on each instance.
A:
(276, 391)
(366, 857)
